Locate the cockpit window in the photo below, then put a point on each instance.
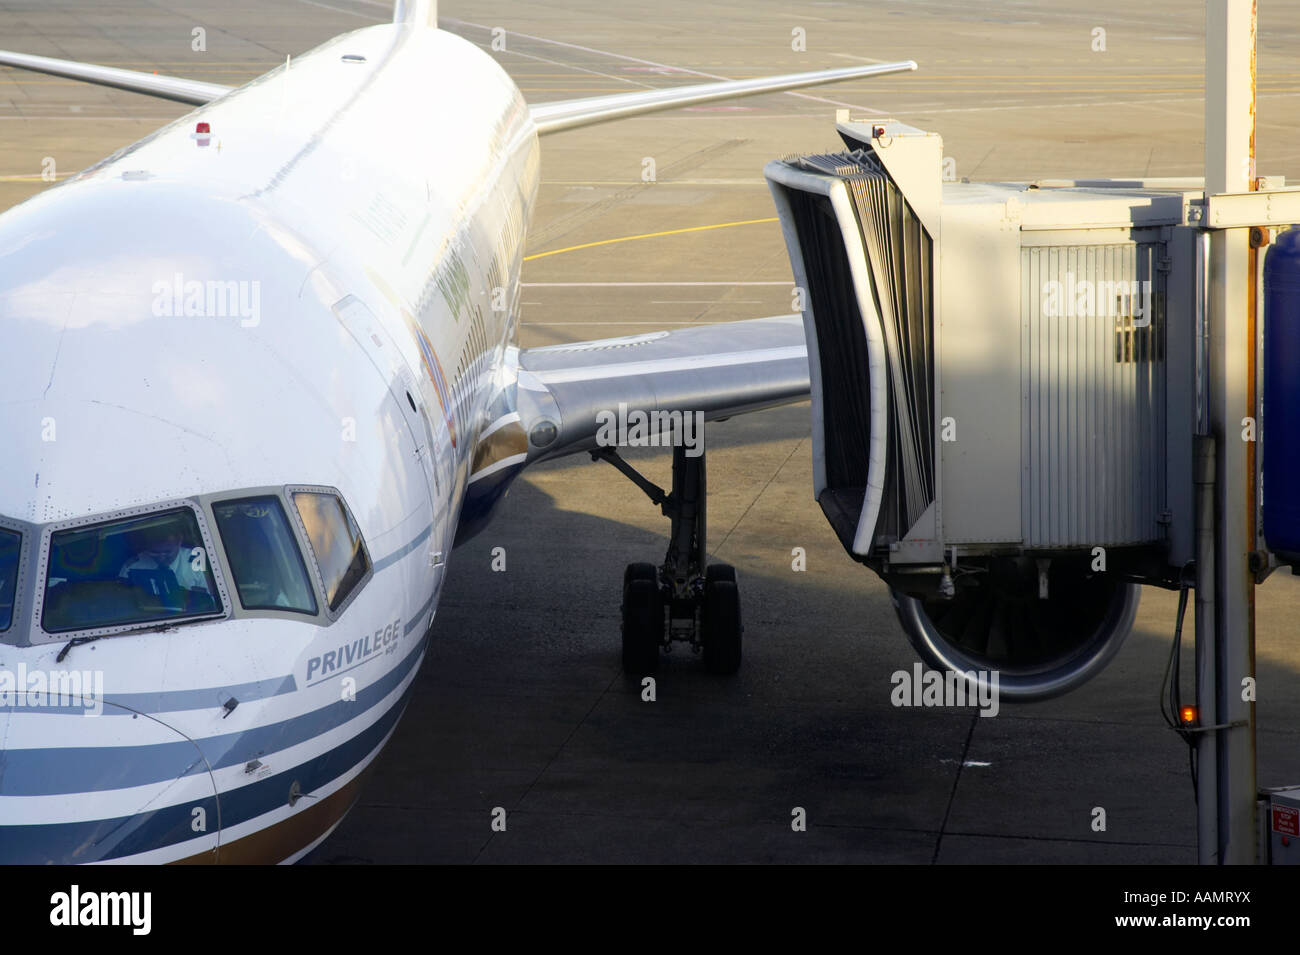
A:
(263, 555)
(336, 542)
(10, 545)
(135, 570)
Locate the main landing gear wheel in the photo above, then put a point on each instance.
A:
(686, 600)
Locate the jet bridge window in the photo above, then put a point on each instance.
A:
(10, 546)
(264, 558)
(336, 542)
(135, 570)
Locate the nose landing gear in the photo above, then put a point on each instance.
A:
(684, 600)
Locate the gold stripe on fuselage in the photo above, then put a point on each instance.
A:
(280, 841)
(506, 441)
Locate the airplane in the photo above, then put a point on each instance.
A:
(260, 375)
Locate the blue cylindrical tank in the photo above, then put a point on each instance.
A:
(1281, 433)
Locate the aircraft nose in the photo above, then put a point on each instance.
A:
(168, 363)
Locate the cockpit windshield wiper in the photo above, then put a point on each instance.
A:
(75, 641)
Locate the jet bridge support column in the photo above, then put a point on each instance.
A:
(1226, 644)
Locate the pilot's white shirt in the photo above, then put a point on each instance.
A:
(181, 565)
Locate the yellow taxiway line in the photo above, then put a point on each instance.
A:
(648, 235)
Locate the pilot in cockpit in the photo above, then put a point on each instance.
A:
(162, 550)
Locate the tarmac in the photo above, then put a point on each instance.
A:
(521, 704)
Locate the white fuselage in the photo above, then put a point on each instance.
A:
(321, 290)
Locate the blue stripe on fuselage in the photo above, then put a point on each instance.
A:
(401, 552)
(106, 839)
(173, 701)
(78, 769)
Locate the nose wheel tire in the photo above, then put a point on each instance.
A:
(720, 627)
(640, 571)
(643, 623)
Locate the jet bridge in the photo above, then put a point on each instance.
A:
(994, 367)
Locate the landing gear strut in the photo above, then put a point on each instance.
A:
(686, 599)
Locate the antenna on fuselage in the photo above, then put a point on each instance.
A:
(416, 12)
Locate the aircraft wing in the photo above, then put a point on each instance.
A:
(569, 114)
(548, 117)
(564, 391)
(175, 88)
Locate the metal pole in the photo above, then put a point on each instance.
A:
(1229, 168)
(1203, 458)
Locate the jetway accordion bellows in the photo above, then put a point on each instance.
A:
(876, 370)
